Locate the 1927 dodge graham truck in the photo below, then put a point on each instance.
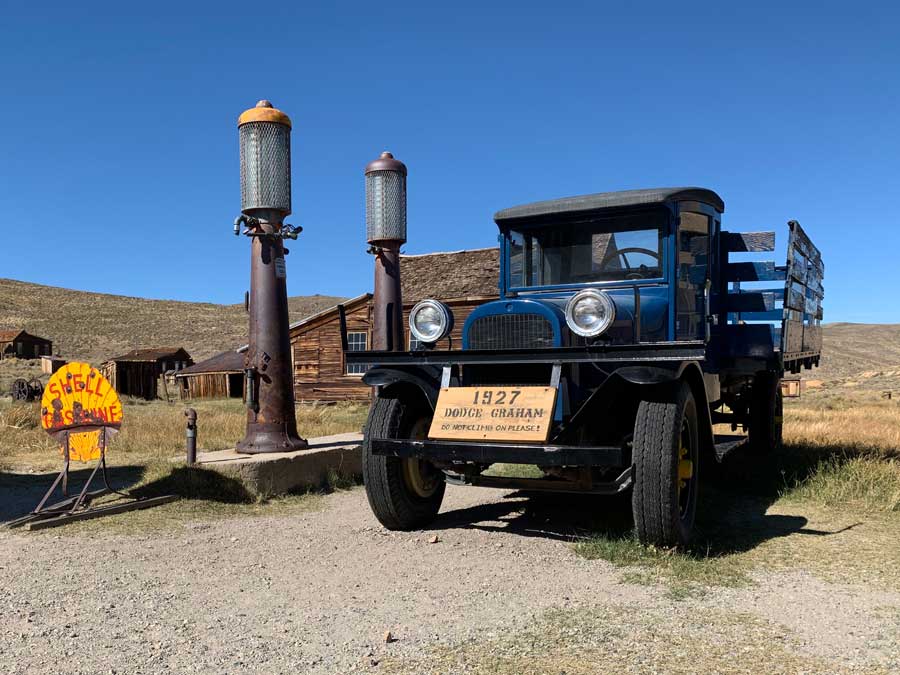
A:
(623, 333)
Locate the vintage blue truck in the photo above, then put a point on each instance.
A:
(624, 332)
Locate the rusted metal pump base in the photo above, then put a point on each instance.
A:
(271, 420)
(270, 438)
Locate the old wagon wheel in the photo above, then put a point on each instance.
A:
(20, 390)
(36, 387)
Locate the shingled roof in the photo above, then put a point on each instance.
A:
(459, 274)
(8, 335)
(152, 354)
(225, 362)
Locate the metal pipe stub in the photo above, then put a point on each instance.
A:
(190, 434)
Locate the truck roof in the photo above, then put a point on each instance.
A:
(609, 200)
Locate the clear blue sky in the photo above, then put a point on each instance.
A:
(119, 168)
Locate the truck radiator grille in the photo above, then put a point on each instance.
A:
(511, 331)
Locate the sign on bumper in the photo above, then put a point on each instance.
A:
(494, 413)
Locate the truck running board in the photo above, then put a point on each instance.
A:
(724, 445)
(611, 487)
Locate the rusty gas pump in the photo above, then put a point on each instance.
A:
(265, 145)
(386, 233)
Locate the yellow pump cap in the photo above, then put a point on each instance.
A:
(264, 112)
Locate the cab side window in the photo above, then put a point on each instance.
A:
(693, 271)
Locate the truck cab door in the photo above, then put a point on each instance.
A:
(691, 279)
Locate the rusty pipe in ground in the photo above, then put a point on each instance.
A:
(190, 436)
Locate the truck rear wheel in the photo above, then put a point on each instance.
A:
(404, 494)
(665, 453)
(766, 414)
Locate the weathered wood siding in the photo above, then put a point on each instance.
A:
(134, 378)
(319, 359)
(26, 347)
(212, 385)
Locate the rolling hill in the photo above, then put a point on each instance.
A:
(96, 326)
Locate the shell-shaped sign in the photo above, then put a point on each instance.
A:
(80, 401)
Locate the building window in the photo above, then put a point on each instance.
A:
(356, 342)
(20, 349)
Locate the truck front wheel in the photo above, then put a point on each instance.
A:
(404, 494)
(665, 453)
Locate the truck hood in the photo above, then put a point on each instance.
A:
(625, 329)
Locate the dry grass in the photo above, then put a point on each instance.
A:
(140, 457)
(626, 639)
(154, 431)
(853, 444)
(835, 485)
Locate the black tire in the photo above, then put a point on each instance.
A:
(664, 499)
(766, 414)
(404, 494)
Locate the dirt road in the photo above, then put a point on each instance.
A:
(501, 590)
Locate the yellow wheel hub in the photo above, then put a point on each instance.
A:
(420, 477)
(685, 468)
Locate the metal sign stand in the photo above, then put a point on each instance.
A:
(77, 507)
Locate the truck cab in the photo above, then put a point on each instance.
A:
(622, 334)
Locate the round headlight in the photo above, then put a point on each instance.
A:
(589, 313)
(430, 320)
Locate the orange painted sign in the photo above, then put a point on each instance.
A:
(79, 406)
(494, 413)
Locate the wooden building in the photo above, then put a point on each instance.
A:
(463, 280)
(137, 373)
(50, 364)
(18, 344)
(221, 376)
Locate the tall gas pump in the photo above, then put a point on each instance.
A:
(265, 144)
(386, 233)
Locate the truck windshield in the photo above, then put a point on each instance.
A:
(618, 248)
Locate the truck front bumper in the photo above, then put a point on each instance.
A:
(481, 452)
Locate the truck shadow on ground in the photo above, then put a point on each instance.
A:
(732, 515)
(20, 493)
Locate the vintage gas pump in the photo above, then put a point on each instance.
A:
(386, 232)
(265, 142)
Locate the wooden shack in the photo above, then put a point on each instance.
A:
(221, 376)
(462, 279)
(50, 364)
(18, 344)
(137, 372)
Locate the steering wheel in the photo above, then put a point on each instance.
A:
(638, 272)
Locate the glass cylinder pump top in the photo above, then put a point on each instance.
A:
(265, 142)
(386, 200)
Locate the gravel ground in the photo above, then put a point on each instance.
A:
(316, 592)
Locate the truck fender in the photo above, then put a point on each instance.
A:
(687, 371)
(692, 374)
(391, 381)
